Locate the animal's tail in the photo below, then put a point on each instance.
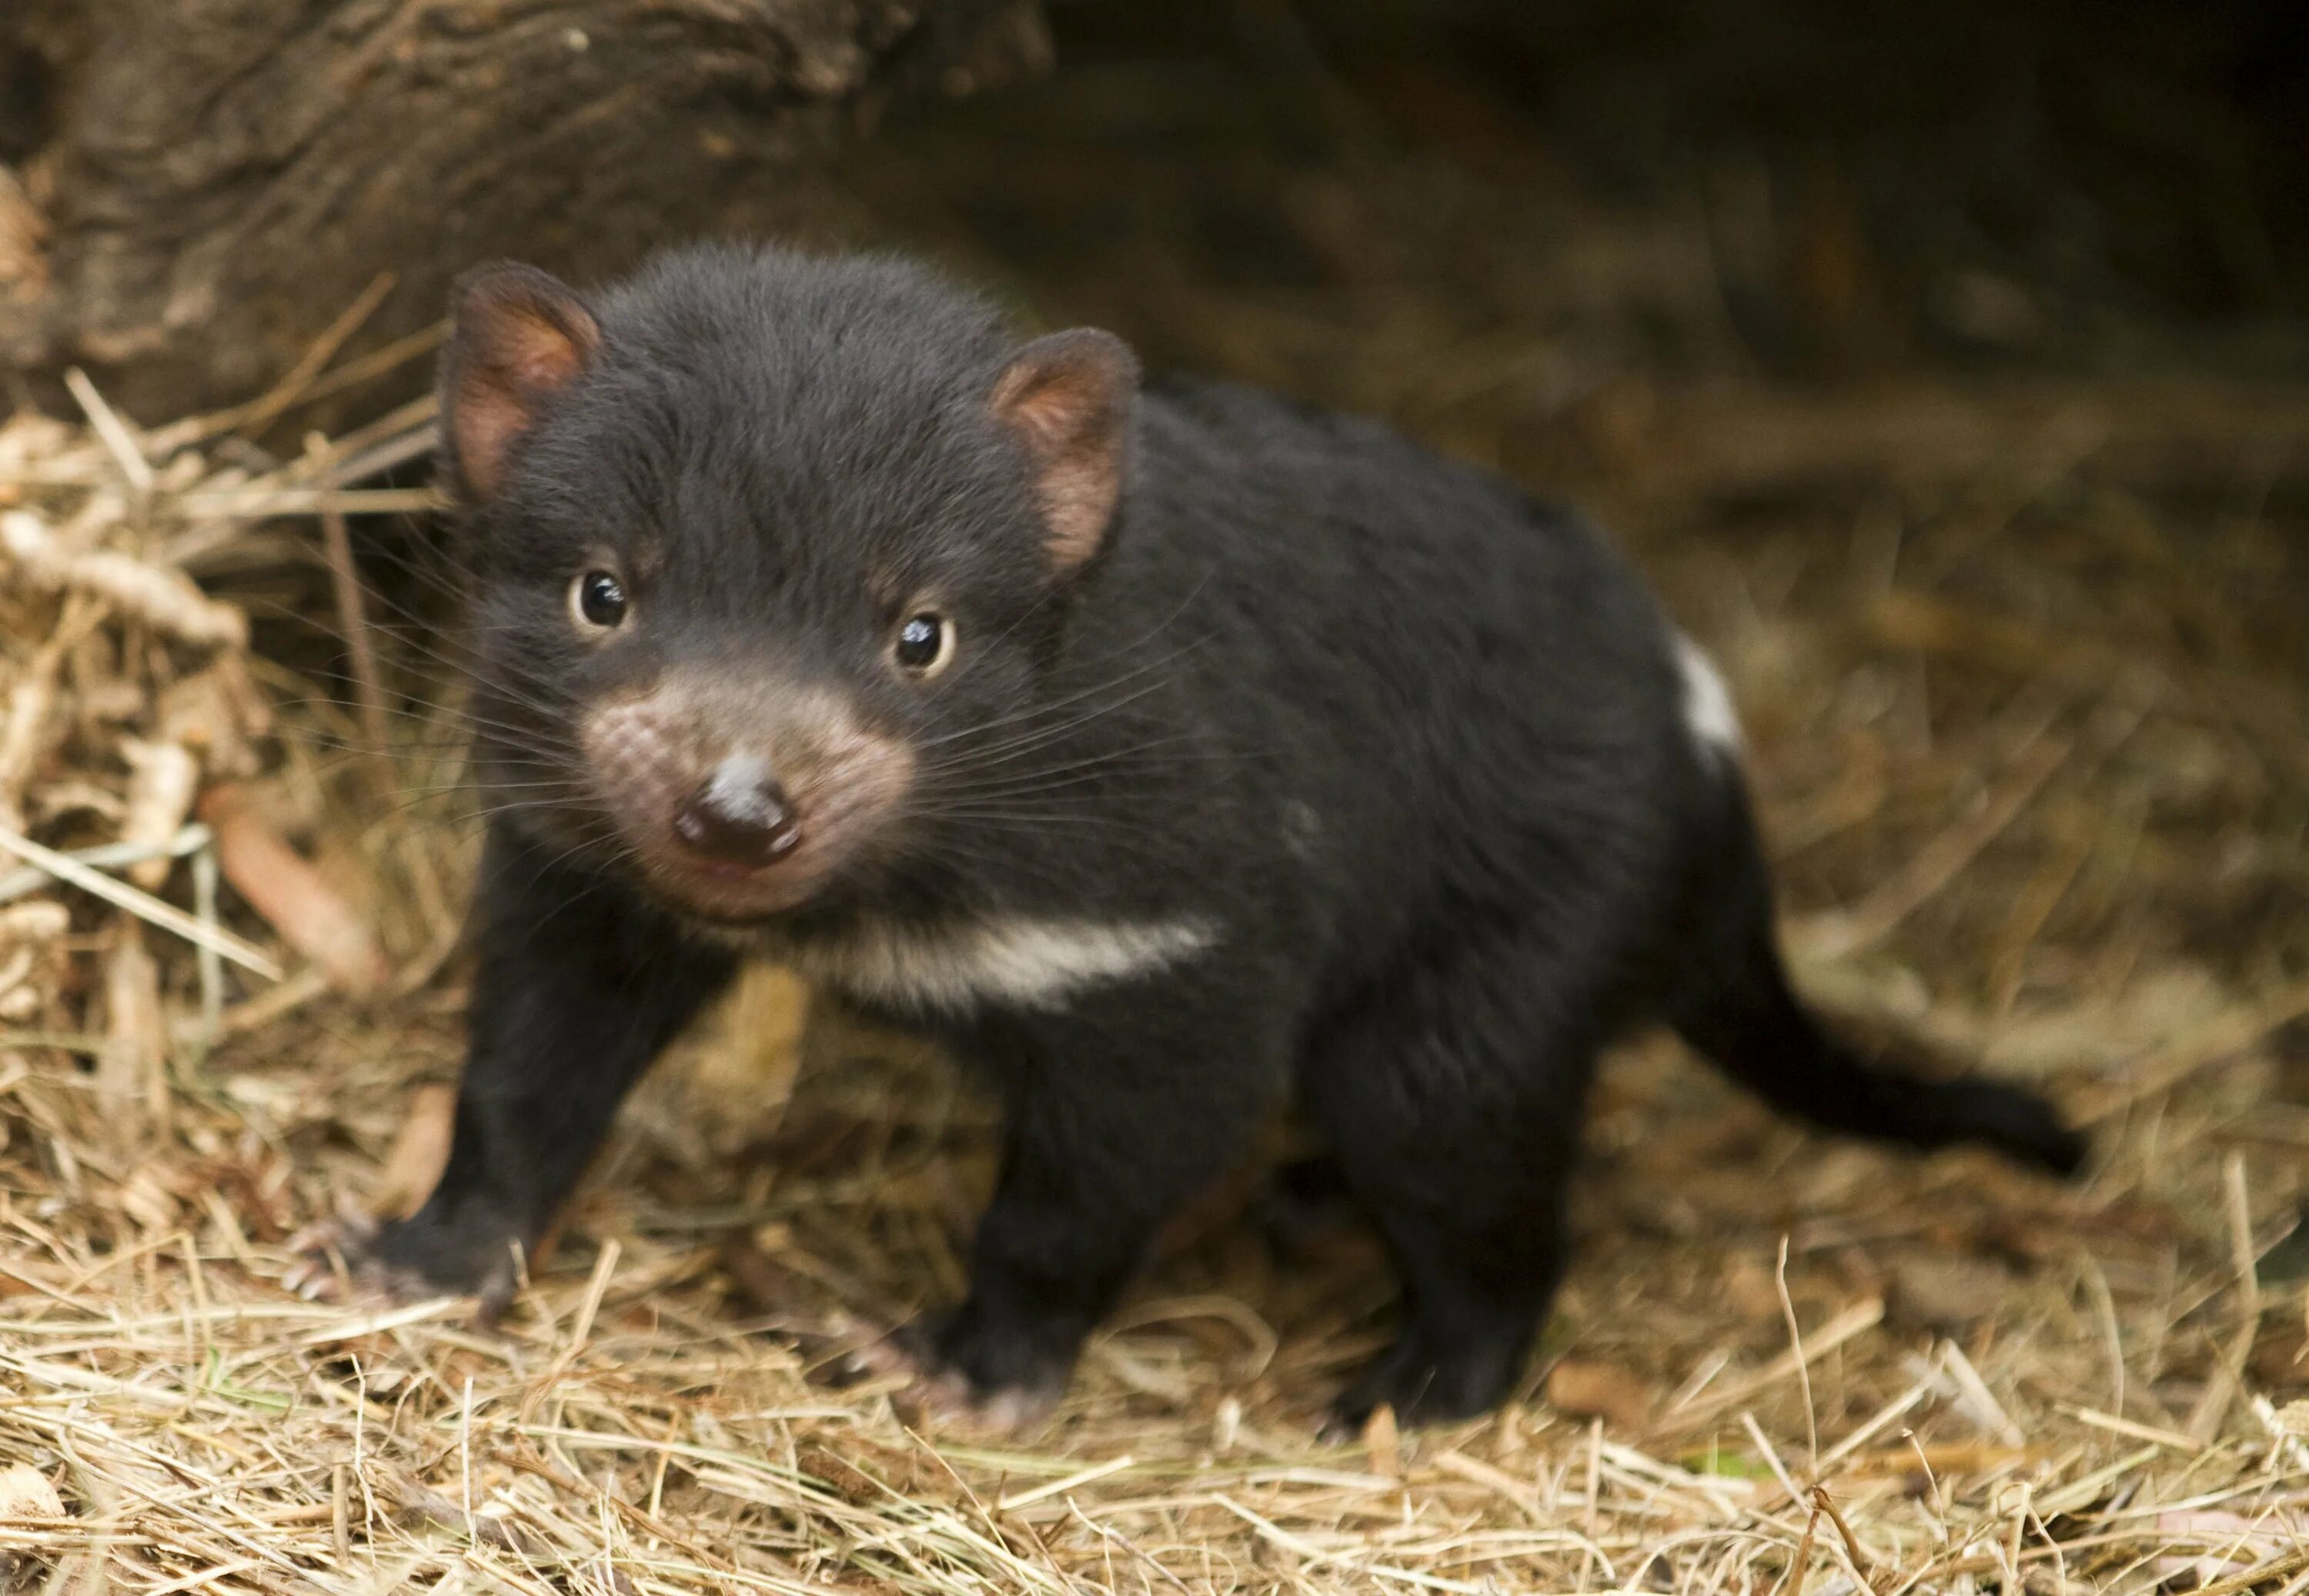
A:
(1741, 1012)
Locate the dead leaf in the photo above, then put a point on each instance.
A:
(1586, 1389)
(1383, 1441)
(283, 887)
(419, 1153)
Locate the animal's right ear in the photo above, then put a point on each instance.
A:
(1067, 398)
(516, 336)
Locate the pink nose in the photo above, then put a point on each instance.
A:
(740, 816)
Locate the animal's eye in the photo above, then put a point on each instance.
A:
(598, 600)
(924, 644)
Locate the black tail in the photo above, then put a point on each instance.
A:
(1742, 1016)
(1762, 1037)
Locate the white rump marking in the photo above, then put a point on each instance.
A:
(1030, 963)
(1707, 702)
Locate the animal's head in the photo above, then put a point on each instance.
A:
(757, 544)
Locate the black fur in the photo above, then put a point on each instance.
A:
(1409, 747)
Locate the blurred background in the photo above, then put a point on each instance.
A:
(1768, 187)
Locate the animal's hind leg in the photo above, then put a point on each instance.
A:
(1452, 1099)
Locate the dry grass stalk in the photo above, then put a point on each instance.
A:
(155, 595)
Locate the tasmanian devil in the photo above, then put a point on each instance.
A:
(1166, 752)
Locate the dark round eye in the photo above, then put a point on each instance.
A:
(924, 644)
(599, 599)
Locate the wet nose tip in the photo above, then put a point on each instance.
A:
(739, 817)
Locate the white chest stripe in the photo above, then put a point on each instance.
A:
(1030, 963)
(1706, 701)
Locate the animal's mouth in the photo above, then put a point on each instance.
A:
(729, 892)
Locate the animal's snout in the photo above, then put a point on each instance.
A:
(740, 816)
(740, 798)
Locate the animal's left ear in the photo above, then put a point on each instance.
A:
(518, 336)
(1068, 399)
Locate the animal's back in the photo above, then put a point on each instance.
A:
(1463, 704)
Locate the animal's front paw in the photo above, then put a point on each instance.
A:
(462, 1250)
(959, 1376)
(329, 1254)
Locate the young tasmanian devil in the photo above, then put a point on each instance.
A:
(1162, 751)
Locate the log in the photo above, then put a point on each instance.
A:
(194, 192)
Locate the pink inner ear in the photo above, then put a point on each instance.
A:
(1068, 399)
(520, 336)
(549, 365)
(490, 419)
(1079, 490)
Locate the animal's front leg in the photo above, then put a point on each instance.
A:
(577, 988)
(1111, 1128)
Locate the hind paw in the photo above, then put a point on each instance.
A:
(1433, 1377)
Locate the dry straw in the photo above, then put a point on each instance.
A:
(2027, 815)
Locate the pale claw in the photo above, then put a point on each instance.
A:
(327, 1252)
